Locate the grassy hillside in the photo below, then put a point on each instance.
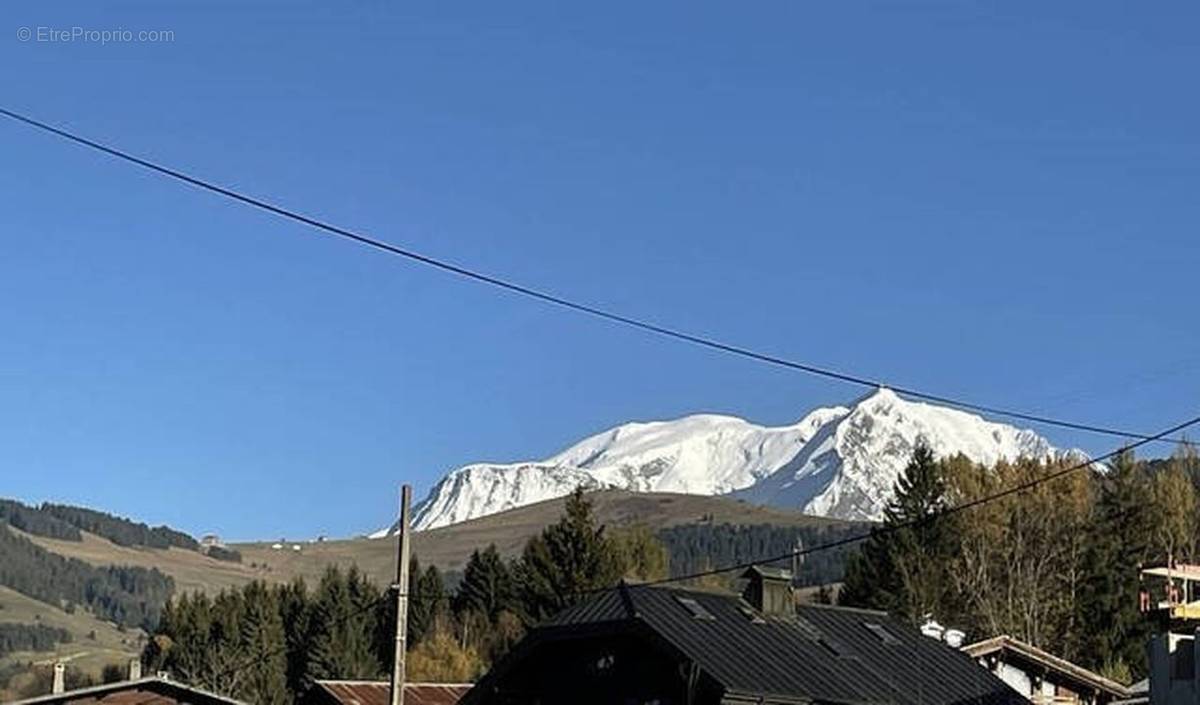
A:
(93, 645)
(447, 547)
(190, 569)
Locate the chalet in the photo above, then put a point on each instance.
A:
(343, 692)
(1042, 677)
(668, 646)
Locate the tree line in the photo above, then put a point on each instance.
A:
(698, 547)
(1056, 566)
(67, 522)
(119, 530)
(127, 595)
(267, 644)
(31, 520)
(30, 637)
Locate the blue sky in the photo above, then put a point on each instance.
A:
(996, 202)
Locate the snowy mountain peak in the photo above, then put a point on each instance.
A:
(836, 461)
(850, 468)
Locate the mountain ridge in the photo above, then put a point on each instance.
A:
(839, 461)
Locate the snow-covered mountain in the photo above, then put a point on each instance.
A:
(850, 467)
(837, 461)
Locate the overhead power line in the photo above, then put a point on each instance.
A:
(560, 301)
(931, 518)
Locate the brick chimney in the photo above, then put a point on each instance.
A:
(60, 680)
(769, 590)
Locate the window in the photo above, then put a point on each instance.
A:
(695, 608)
(827, 642)
(884, 635)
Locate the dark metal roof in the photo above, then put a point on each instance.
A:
(827, 654)
(379, 692)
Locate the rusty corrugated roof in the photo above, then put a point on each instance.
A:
(377, 692)
(144, 691)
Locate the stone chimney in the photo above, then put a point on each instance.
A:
(60, 681)
(135, 669)
(769, 590)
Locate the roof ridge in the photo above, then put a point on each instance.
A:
(1082, 672)
(845, 608)
(119, 685)
(359, 681)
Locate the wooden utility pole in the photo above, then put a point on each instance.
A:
(401, 588)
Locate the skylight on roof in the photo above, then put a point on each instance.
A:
(698, 611)
(884, 635)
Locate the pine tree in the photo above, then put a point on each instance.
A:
(431, 604)
(1113, 630)
(568, 559)
(487, 585)
(295, 614)
(263, 679)
(342, 628)
(427, 603)
(901, 568)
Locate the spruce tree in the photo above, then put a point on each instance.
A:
(342, 628)
(263, 680)
(295, 613)
(487, 585)
(901, 568)
(426, 604)
(568, 559)
(1114, 630)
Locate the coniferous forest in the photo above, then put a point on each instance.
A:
(32, 520)
(119, 530)
(30, 637)
(267, 644)
(698, 547)
(65, 522)
(129, 596)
